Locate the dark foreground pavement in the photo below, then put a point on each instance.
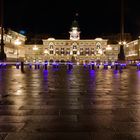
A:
(69, 105)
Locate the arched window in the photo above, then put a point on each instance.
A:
(99, 49)
(98, 46)
(74, 46)
(51, 45)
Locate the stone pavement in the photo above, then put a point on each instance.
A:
(80, 104)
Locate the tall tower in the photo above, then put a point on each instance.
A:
(75, 31)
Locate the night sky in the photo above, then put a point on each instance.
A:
(54, 17)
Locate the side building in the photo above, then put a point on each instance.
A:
(132, 51)
(14, 45)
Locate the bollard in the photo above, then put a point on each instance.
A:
(35, 66)
(70, 66)
(45, 65)
(112, 66)
(89, 66)
(92, 66)
(124, 66)
(30, 66)
(4, 66)
(116, 66)
(54, 65)
(105, 66)
(17, 65)
(57, 66)
(38, 66)
(84, 65)
(22, 66)
(120, 68)
(138, 66)
(98, 66)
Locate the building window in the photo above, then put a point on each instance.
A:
(74, 52)
(81, 49)
(87, 50)
(92, 51)
(57, 51)
(51, 52)
(51, 47)
(68, 51)
(74, 47)
(98, 46)
(62, 50)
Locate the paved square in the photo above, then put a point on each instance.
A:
(70, 105)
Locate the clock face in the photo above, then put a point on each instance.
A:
(74, 36)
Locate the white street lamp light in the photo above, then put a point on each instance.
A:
(108, 48)
(35, 48)
(17, 42)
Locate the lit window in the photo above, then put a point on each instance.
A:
(68, 51)
(51, 46)
(81, 49)
(74, 52)
(57, 51)
(74, 47)
(87, 50)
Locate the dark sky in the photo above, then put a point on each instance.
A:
(96, 17)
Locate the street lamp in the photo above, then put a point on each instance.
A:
(122, 43)
(35, 48)
(45, 54)
(17, 43)
(2, 53)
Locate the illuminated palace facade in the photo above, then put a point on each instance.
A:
(73, 49)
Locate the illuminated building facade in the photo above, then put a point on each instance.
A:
(14, 46)
(74, 49)
(132, 50)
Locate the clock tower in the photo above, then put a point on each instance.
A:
(75, 32)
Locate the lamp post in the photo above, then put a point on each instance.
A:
(35, 48)
(17, 43)
(45, 54)
(2, 53)
(122, 43)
